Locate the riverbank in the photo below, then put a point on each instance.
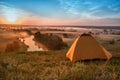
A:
(9, 42)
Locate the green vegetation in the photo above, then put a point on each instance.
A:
(112, 45)
(9, 42)
(53, 65)
(52, 42)
(15, 46)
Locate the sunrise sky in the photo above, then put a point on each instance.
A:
(60, 12)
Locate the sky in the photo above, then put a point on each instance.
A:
(60, 12)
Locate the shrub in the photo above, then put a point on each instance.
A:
(52, 42)
(2, 74)
(112, 41)
(12, 46)
(118, 40)
(65, 35)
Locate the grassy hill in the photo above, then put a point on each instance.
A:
(53, 65)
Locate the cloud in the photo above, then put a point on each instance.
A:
(94, 8)
(113, 8)
(69, 6)
(89, 11)
(66, 12)
(87, 3)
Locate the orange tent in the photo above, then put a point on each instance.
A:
(85, 47)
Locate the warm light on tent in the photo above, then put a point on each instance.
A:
(85, 47)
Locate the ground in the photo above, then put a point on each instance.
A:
(53, 65)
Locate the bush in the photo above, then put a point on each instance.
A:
(52, 42)
(2, 74)
(112, 41)
(65, 35)
(12, 47)
(118, 40)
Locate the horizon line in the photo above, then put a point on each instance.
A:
(63, 25)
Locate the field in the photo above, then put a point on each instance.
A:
(53, 65)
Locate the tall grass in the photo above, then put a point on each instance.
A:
(53, 65)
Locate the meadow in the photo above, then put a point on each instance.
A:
(53, 65)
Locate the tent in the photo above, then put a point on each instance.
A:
(85, 47)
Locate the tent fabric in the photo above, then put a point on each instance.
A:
(85, 47)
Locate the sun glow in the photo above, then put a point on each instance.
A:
(11, 15)
(11, 19)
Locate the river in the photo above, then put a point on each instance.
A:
(30, 43)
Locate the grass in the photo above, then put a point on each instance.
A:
(53, 65)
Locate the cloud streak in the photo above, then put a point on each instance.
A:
(90, 10)
(62, 11)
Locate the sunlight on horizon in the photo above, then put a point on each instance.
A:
(11, 16)
(60, 12)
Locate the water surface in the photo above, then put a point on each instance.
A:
(31, 43)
